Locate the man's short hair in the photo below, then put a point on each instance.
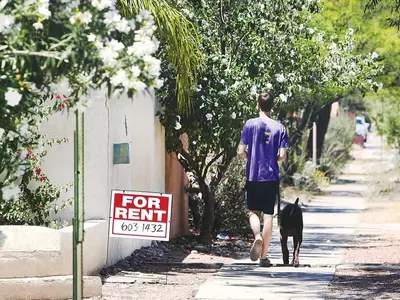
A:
(266, 102)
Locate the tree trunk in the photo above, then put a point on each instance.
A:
(194, 207)
(209, 211)
(295, 141)
(322, 121)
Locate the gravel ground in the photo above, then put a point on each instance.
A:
(168, 271)
(377, 243)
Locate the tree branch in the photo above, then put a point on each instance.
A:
(33, 53)
(211, 162)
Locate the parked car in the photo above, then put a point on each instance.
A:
(362, 128)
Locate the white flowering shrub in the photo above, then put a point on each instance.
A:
(84, 44)
(251, 47)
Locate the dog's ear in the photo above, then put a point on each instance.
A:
(296, 203)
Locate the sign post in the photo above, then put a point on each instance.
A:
(140, 215)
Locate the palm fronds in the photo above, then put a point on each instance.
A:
(182, 43)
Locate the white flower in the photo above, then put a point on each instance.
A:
(283, 97)
(102, 4)
(240, 103)
(280, 78)
(38, 25)
(262, 66)
(301, 27)
(159, 83)
(11, 191)
(13, 97)
(43, 9)
(119, 77)
(98, 44)
(351, 31)
(233, 115)
(84, 18)
(138, 85)
(108, 56)
(24, 128)
(311, 30)
(144, 47)
(1, 132)
(135, 71)
(91, 37)
(178, 125)
(144, 15)
(116, 45)
(375, 55)
(6, 23)
(202, 106)
(123, 26)
(208, 117)
(153, 66)
(253, 90)
(269, 86)
(110, 53)
(216, 104)
(111, 17)
(199, 87)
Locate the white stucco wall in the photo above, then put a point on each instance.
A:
(33, 251)
(107, 122)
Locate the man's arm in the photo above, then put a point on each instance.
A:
(242, 150)
(282, 154)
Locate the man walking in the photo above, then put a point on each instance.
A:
(266, 140)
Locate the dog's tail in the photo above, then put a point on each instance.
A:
(296, 203)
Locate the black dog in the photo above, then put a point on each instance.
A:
(291, 224)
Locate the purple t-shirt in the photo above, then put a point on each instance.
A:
(264, 138)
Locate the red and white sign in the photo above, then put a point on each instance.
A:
(140, 215)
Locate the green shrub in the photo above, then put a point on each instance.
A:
(337, 145)
(37, 200)
(231, 212)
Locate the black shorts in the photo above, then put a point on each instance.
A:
(262, 196)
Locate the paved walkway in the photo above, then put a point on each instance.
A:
(330, 223)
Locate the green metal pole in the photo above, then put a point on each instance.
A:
(78, 208)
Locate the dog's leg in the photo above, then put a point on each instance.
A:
(285, 251)
(297, 239)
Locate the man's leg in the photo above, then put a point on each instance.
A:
(271, 192)
(255, 225)
(252, 198)
(266, 234)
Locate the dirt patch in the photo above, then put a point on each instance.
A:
(177, 282)
(365, 284)
(377, 242)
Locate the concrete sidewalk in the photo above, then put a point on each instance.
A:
(330, 222)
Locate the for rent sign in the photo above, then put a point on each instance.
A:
(140, 215)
